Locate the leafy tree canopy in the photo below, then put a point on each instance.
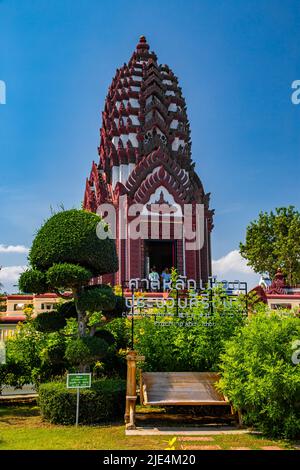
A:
(273, 241)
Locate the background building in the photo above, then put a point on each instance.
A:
(13, 306)
(278, 294)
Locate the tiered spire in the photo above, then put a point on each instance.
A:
(144, 111)
(145, 155)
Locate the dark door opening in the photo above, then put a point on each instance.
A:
(161, 254)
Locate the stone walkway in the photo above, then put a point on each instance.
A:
(174, 431)
(198, 438)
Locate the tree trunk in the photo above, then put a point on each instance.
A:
(81, 316)
(81, 324)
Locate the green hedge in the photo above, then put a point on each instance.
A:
(104, 401)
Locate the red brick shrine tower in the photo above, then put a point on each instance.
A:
(145, 155)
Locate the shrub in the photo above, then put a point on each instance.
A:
(33, 280)
(49, 321)
(119, 308)
(106, 335)
(120, 329)
(259, 376)
(32, 356)
(97, 298)
(105, 401)
(67, 309)
(66, 274)
(114, 365)
(86, 350)
(14, 375)
(54, 351)
(188, 344)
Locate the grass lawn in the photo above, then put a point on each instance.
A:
(22, 428)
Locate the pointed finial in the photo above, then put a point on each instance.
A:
(142, 45)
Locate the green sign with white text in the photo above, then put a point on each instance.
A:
(79, 380)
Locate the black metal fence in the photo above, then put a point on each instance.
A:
(141, 295)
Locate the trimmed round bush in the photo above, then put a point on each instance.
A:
(47, 322)
(120, 328)
(119, 308)
(103, 402)
(97, 299)
(86, 350)
(70, 237)
(67, 309)
(67, 275)
(33, 281)
(106, 335)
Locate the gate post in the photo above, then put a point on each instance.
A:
(131, 390)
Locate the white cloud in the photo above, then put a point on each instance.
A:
(13, 249)
(233, 267)
(9, 276)
(233, 261)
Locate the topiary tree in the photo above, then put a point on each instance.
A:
(66, 253)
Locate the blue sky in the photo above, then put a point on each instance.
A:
(235, 59)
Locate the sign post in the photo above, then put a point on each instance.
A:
(78, 381)
(77, 406)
